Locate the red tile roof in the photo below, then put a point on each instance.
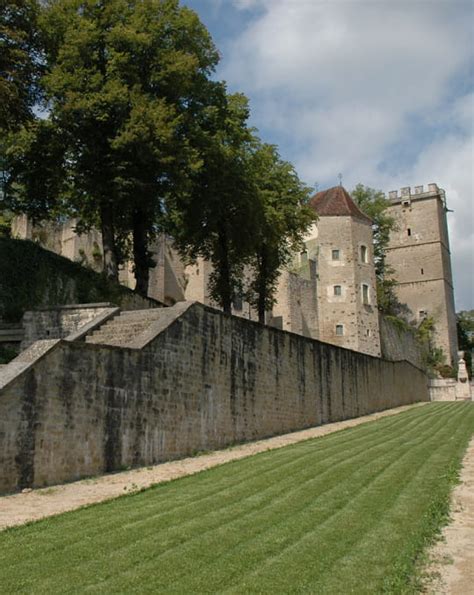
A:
(336, 201)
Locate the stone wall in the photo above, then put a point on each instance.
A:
(399, 344)
(59, 322)
(205, 381)
(449, 389)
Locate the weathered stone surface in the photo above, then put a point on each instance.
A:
(206, 380)
(398, 344)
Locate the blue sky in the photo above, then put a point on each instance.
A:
(381, 91)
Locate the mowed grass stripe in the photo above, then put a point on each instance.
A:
(357, 515)
(105, 525)
(255, 553)
(263, 515)
(107, 535)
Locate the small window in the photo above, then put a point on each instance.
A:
(339, 330)
(365, 293)
(409, 231)
(422, 272)
(336, 255)
(367, 332)
(337, 290)
(363, 253)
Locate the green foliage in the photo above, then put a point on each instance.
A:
(5, 223)
(125, 85)
(465, 330)
(217, 218)
(352, 512)
(374, 204)
(7, 354)
(36, 183)
(283, 218)
(435, 358)
(32, 277)
(20, 61)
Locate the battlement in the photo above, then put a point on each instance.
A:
(407, 192)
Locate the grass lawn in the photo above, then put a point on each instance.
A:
(346, 513)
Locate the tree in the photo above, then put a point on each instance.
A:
(465, 330)
(374, 204)
(283, 219)
(20, 61)
(216, 219)
(125, 78)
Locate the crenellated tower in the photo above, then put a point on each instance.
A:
(419, 254)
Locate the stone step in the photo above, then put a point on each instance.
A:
(122, 324)
(142, 314)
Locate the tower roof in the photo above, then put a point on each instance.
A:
(336, 201)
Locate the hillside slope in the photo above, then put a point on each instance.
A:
(31, 277)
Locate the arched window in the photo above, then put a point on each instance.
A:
(339, 330)
(337, 290)
(363, 254)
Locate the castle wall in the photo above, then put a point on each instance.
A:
(208, 380)
(399, 344)
(296, 307)
(57, 322)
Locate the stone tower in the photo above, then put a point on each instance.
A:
(347, 299)
(419, 254)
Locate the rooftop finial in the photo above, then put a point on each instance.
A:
(340, 179)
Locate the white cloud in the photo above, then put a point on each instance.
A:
(340, 84)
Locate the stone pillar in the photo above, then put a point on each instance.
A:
(463, 389)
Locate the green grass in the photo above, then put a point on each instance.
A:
(347, 513)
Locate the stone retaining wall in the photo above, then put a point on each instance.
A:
(205, 381)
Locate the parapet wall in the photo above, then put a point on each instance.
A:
(205, 381)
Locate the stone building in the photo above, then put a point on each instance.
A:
(329, 290)
(341, 244)
(419, 254)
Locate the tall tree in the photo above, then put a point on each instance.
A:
(283, 219)
(20, 61)
(124, 79)
(216, 219)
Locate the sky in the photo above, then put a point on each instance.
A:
(380, 91)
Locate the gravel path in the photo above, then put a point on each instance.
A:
(36, 504)
(453, 557)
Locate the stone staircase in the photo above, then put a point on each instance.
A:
(132, 328)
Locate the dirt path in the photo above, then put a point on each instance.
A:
(36, 504)
(453, 557)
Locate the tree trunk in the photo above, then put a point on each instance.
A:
(140, 253)
(224, 274)
(262, 294)
(108, 241)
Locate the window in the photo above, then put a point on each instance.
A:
(422, 272)
(367, 332)
(304, 257)
(337, 290)
(363, 253)
(336, 255)
(365, 293)
(409, 231)
(339, 330)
